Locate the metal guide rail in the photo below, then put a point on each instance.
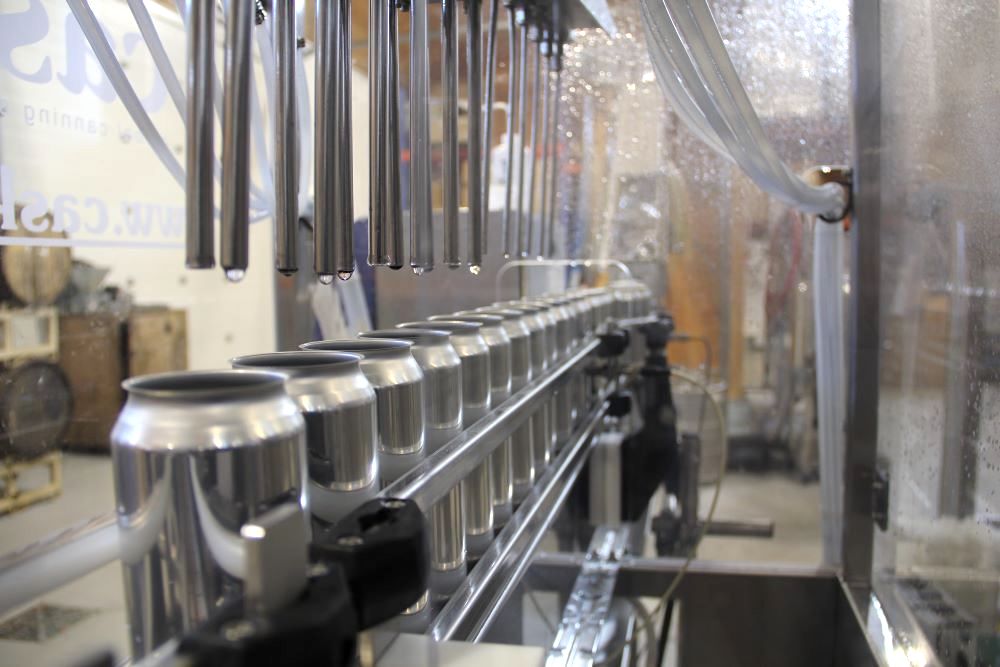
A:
(471, 611)
(431, 479)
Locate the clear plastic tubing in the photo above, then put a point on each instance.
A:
(831, 389)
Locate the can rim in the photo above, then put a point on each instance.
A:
(451, 326)
(526, 307)
(298, 362)
(200, 385)
(418, 336)
(485, 319)
(505, 313)
(367, 348)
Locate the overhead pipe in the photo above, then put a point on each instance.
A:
(491, 61)
(536, 93)
(554, 162)
(473, 40)
(333, 211)
(545, 49)
(286, 153)
(449, 72)
(234, 244)
(522, 113)
(513, 70)
(200, 190)
(421, 205)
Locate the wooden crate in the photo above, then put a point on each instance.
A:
(99, 351)
(14, 496)
(92, 356)
(157, 341)
(28, 333)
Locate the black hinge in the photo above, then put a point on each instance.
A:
(880, 497)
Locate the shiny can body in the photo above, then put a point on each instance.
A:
(542, 422)
(527, 350)
(476, 394)
(196, 455)
(496, 331)
(442, 369)
(398, 382)
(338, 405)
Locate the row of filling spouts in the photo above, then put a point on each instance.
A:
(535, 64)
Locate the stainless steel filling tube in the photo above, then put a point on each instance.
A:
(421, 203)
(338, 405)
(474, 60)
(449, 145)
(333, 218)
(499, 343)
(286, 137)
(399, 399)
(234, 217)
(442, 370)
(199, 234)
(476, 393)
(196, 455)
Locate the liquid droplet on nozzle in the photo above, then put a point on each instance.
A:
(345, 275)
(474, 269)
(326, 278)
(235, 275)
(418, 270)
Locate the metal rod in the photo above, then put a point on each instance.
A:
(512, 70)
(200, 208)
(535, 114)
(286, 154)
(474, 44)
(234, 218)
(491, 66)
(56, 560)
(522, 116)
(378, 36)
(495, 577)
(394, 193)
(553, 177)
(763, 528)
(331, 230)
(344, 159)
(546, 139)
(449, 69)
(421, 206)
(429, 481)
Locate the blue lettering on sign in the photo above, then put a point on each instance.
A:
(80, 69)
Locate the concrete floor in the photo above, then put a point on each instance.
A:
(88, 491)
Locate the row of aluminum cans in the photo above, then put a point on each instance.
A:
(198, 454)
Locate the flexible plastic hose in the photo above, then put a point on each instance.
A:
(698, 77)
(831, 391)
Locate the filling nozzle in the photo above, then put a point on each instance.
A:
(200, 207)
(449, 72)
(286, 154)
(333, 222)
(421, 211)
(235, 207)
(385, 216)
(473, 9)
